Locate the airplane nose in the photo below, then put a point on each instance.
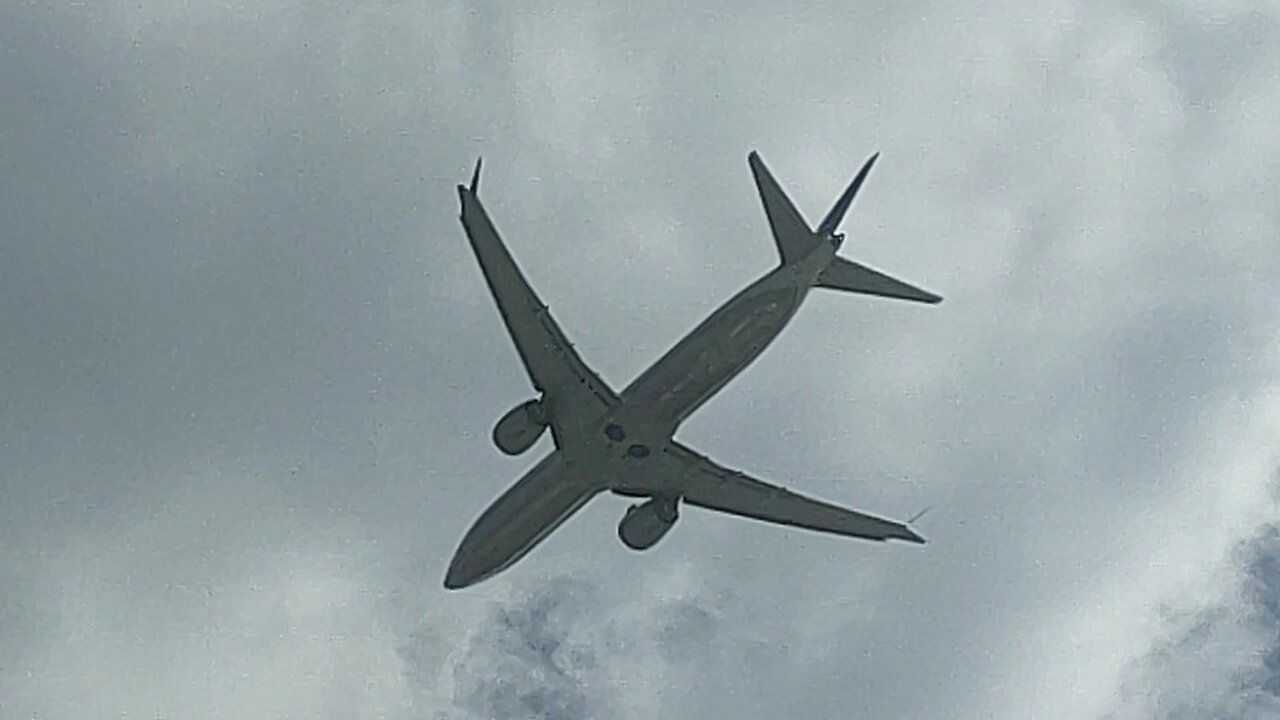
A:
(459, 574)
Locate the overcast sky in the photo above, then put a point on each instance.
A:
(250, 366)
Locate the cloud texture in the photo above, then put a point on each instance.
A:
(250, 367)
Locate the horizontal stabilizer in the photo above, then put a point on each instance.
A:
(846, 275)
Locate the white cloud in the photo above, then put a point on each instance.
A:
(218, 599)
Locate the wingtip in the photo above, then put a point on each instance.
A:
(912, 536)
(871, 161)
(475, 177)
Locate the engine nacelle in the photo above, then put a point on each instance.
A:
(645, 524)
(520, 428)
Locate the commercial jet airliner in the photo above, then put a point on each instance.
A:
(623, 442)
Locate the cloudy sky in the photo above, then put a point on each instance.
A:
(250, 367)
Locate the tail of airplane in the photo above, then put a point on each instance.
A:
(795, 239)
(853, 277)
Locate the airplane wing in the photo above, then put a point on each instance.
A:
(553, 365)
(708, 485)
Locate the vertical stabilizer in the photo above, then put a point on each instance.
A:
(793, 236)
(791, 233)
(832, 221)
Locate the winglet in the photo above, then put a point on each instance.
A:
(911, 535)
(475, 178)
(833, 218)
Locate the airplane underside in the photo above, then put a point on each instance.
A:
(623, 442)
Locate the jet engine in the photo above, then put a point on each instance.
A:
(520, 428)
(645, 524)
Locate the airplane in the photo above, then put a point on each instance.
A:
(624, 442)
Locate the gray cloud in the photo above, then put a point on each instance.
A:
(250, 368)
(535, 668)
(1220, 660)
(565, 649)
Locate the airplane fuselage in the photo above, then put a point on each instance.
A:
(613, 457)
(718, 350)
